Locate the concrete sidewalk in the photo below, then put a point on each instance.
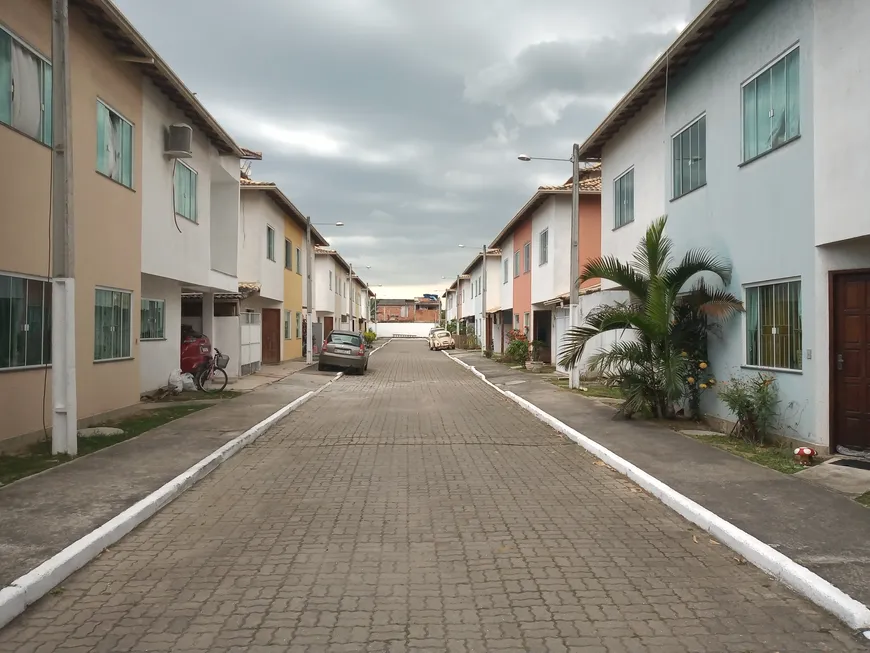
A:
(42, 514)
(817, 528)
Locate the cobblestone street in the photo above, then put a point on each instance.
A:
(415, 509)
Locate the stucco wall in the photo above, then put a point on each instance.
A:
(257, 213)
(160, 357)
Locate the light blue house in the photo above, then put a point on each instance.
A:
(751, 133)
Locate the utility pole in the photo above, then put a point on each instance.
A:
(483, 342)
(575, 249)
(309, 335)
(64, 423)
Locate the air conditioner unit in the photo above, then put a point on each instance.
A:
(179, 141)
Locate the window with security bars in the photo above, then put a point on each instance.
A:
(690, 158)
(152, 323)
(112, 324)
(25, 322)
(771, 106)
(774, 326)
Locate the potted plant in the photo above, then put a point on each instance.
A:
(535, 363)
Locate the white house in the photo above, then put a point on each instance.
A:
(755, 156)
(331, 289)
(190, 218)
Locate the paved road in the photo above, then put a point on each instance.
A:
(414, 509)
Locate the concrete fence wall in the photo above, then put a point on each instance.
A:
(400, 329)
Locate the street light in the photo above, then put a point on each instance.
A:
(575, 229)
(309, 335)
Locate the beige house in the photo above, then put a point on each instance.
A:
(109, 63)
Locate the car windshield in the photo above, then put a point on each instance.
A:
(345, 339)
(442, 334)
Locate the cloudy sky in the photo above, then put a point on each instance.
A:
(403, 118)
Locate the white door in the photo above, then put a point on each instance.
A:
(251, 342)
(562, 322)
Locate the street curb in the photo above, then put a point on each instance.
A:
(812, 586)
(35, 584)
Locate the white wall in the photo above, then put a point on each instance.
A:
(467, 301)
(639, 144)
(842, 131)
(543, 275)
(157, 358)
(226, 338)
(418, 329)
(493, 283)
(507, 288)
(257, 213)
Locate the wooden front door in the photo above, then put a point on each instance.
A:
(850, 369)
(271, 335)
(327, 326)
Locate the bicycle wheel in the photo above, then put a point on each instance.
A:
(215, 381)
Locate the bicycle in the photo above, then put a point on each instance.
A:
(211, 375)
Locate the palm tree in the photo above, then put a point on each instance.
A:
(651, 367)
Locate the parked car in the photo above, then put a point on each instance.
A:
(441, 339)
(346, 350)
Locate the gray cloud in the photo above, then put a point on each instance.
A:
(403, 119)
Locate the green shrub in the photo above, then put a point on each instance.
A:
(370, 337)
(517, 352)
(753, 401)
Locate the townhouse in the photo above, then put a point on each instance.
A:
(120, 93)
(746, 132)
(274, 261)
(480, 320)
(533, 269)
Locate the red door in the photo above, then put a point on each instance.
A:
(851, 362)
(271, 336)
(327, 326)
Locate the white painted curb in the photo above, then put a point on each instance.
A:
(821, 592)
(35, 584)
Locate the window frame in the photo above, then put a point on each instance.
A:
(298, 325)
(45, 119)
(786, 282)
(768, 70)
(122, 118)
(299, 261)
(45, 362)
(544, 246)
(270, 243)
(527, 257)
(287, 335)
(506, 265)
(195, 179)
(142, 336)
(129, 355)
(677, 138)
(288, 254)
(516, 263)
(527, 322)
(616, 214)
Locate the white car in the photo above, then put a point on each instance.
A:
(441, 339)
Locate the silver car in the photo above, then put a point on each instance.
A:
(346, 350)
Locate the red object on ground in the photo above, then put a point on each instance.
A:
(195, 350)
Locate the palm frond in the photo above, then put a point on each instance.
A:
(618, 317)
(612, 269)
(715, 302)
(695, 262)
(653, 253)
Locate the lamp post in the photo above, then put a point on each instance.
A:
(309, 335)
(574, 273)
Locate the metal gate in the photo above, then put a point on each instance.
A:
(562, 322)
(251, 339)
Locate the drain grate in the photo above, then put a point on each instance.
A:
(851, 462)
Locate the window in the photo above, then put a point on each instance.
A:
(774, 330)
(330, 279)
(527, 257)
(544, 246)
(298, 261)
(288, 255)
(298, 324)
(287, 315)
(115, 146)
(185, 191)
(152, 323)
(690, 157)
(506, 266)
(771, 107)
(270, 243)
(516, 264)
(112, 324)
(516, 322)
(25, 322)
(25, 89)
(623, 200)
(527, 323)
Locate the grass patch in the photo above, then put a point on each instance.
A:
(779, 458)
(39, 458)
(195, 395)
(864, 499)
(591, 389)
